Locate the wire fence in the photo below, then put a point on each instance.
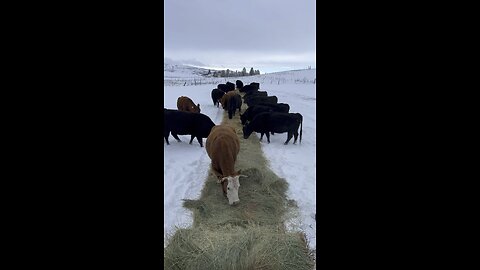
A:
(216, 81)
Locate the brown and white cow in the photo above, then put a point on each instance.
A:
(186, 104)
(222, 147)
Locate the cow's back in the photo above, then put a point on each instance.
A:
(225, 99)
(259, 99)
(223, 147)
(202, 125)
(278, 107)
(179, 122)
(184, 123)
(186, 104)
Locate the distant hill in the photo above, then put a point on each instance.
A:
(180, 74)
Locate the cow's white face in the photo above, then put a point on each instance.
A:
(233, 184)
(232, 189)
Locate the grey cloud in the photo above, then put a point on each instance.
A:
(240, 28)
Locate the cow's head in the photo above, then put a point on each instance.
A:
(230, 186)
(247, 130)
(243, 117)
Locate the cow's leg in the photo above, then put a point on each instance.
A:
(295, 134)
(261, 136)
(199, 139)
(165, 135)
(268, 136)
(191, 139)
(289, 137)
(176, 137)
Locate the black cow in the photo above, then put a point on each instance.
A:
(255, 85)
(247, 89)
(256, 100)
(230, 86)
(277, 122)
(279, 107)
(186, 123)
(223, 87)
(216, 96)
(239, 84)
(255, 94)
(251, 112)
(234, 103)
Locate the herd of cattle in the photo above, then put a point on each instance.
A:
(264, 115)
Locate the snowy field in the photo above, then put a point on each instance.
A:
(186, 166)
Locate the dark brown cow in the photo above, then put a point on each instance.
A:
(224, 100)
(185, 104)
(223, 147)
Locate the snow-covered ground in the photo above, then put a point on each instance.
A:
(186, 166)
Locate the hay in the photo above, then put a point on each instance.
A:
(262, 202)
(249, 235)
(233, 247)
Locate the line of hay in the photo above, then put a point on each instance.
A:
(233, 247)
(250, 235)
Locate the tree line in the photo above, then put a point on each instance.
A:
(231, 73)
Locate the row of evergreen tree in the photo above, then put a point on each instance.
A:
(230, 73)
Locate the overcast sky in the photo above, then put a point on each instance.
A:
(269, 35)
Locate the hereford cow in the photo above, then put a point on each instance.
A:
(186, 104)
(256, 100)
(186, 123)
(234, 103)
(275, 122)
(223, 147)
(217, 94)
(225, 99)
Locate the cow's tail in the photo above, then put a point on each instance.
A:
(301, 121)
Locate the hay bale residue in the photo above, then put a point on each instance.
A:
(253, 247)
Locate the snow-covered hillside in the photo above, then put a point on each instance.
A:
(177, 74)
